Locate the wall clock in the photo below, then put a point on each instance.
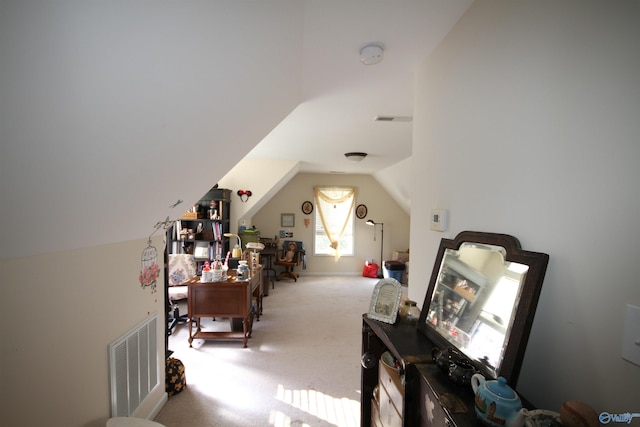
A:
(307, 207)
(361, 211)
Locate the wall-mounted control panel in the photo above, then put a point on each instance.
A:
(439, 219)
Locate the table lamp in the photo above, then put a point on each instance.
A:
(237, 249)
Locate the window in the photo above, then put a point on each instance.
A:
(334, 221)
(321, 241)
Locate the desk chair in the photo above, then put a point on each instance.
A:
(293, 254)
(268, 254)
(182, 267)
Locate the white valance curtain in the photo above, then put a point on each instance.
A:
(335, 206)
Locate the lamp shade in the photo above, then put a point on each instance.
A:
(237, 250)
(255, 246)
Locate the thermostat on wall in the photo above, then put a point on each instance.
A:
(439, 219)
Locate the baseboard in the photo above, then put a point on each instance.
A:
(159, 405)
(151, 406)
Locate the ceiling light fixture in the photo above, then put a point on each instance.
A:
(355, 156)
(371, 54)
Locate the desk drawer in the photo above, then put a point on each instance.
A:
(390, 415)
(375, 414)
(390, 379)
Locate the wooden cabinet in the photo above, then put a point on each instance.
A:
(247, 236)
(443, 404)
(419, 394)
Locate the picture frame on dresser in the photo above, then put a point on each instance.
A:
(385, 301)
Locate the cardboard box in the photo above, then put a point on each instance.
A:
(401, 256)
(192, 215)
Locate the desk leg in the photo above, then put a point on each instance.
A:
(195, 320)
(246, 330)
(191, 330)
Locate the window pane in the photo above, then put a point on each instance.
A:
(321, 242)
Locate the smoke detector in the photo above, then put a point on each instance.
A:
(371, 54)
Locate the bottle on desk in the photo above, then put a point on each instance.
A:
(207, 274)
(244, 273)
(217, 271)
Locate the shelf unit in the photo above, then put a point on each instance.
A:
(200, 231)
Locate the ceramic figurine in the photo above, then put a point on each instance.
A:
(497, 404)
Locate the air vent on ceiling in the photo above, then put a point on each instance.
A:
(393, 119)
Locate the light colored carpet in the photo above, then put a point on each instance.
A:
(302, 366)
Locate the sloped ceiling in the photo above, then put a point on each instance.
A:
(111, 112)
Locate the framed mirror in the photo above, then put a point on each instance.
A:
(482, 298)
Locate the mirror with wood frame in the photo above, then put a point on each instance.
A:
(482, 298)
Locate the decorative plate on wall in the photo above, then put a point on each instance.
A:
(361, 211)
(307, 207)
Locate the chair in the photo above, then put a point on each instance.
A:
(293, 254)
(182, 267)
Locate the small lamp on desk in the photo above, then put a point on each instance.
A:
(237, 249)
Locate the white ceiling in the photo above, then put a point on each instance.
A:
(342, 96)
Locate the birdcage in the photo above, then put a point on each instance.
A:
(149, 269)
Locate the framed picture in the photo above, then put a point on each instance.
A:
(385, 301)
(201, 251)
(361, 211)
(287, 220)
(307, 207)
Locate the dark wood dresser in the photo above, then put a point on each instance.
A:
(421, 395)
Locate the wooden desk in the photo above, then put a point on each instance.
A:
(223, 299)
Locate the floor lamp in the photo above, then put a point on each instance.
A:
(371, 222)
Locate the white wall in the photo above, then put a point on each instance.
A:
(381, 208)
(396, 180)
(526, 123)
(59, 315)
(263, 177)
